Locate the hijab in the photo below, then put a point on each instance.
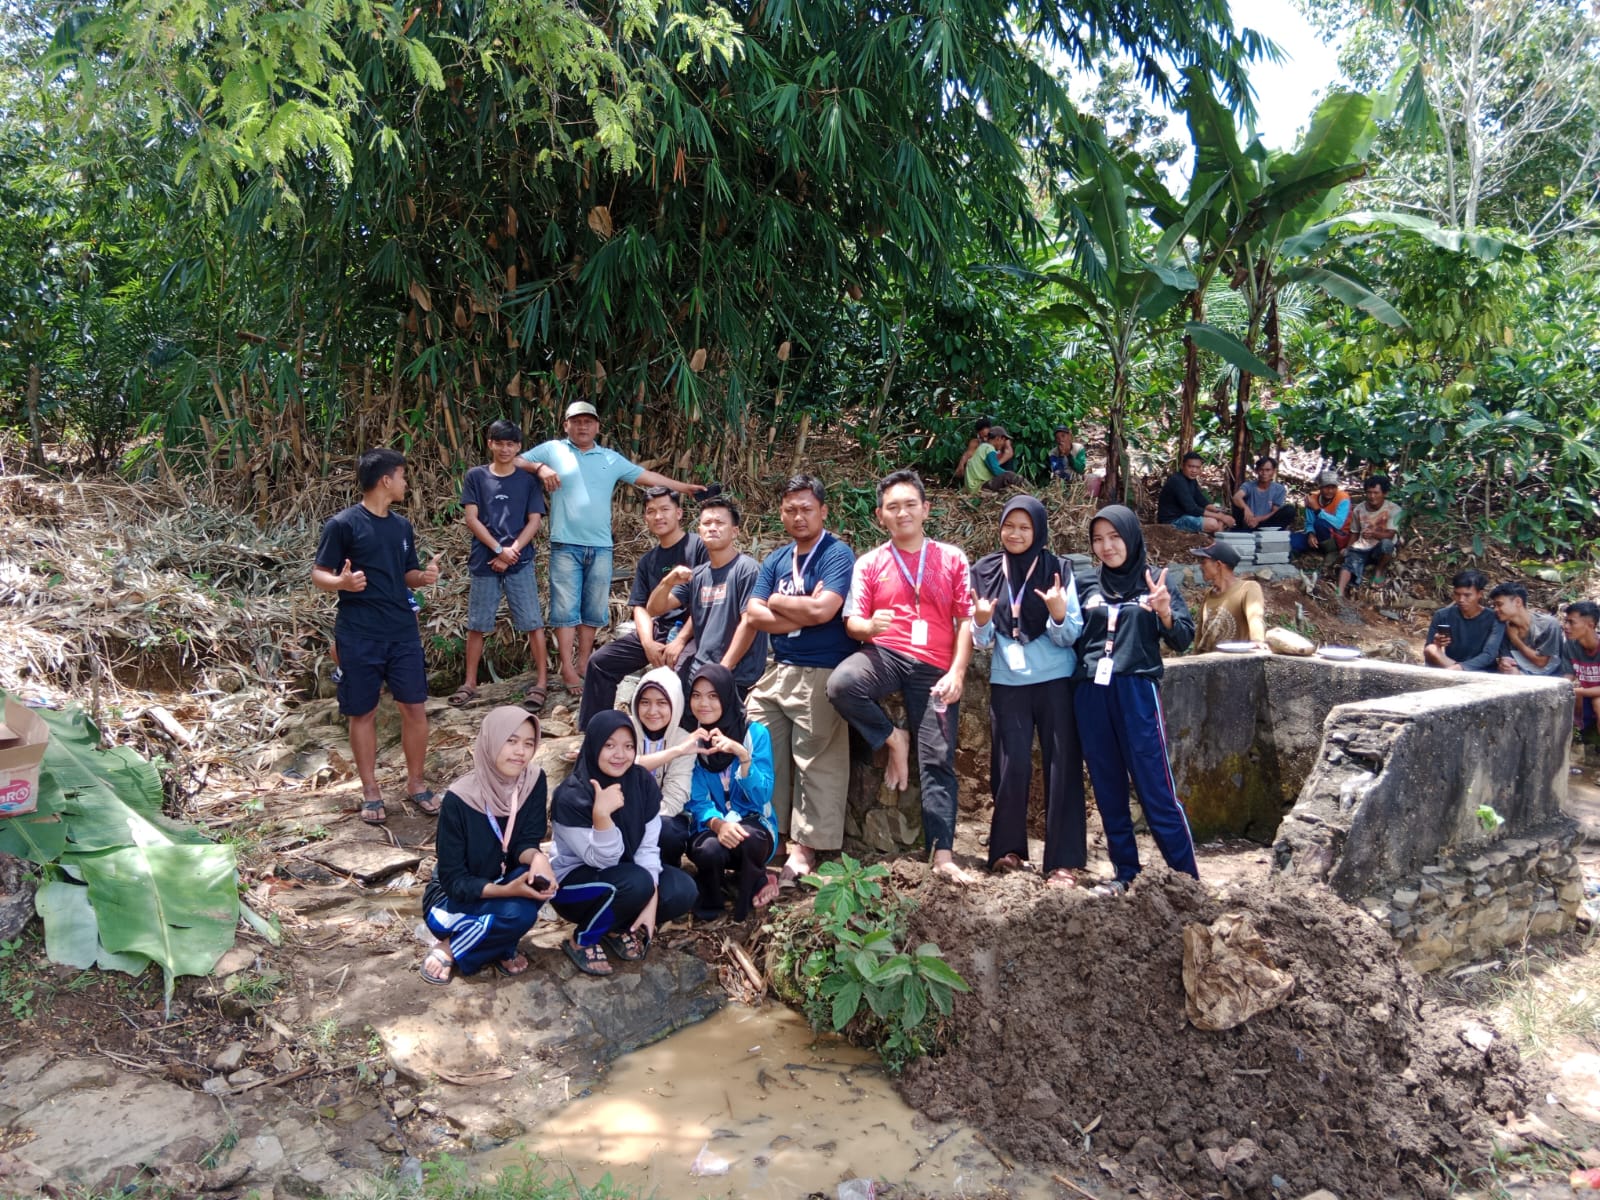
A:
(1127, 581)
(483, 789)
(1001, 575)
(665, 680)
(731, 722)
(641, 797)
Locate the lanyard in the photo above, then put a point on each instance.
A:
(922, 561)
(798, 566)
(1017, 597)
(1111, 627)
(503, 838)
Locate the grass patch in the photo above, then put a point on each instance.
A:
(1549, 993)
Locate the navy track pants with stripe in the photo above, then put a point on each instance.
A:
(1124, 734)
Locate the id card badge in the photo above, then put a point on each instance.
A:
(1102, 672)
(919, 632)
(1016, 660)
(793, 633)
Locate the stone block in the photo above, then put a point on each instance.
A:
(1405, 898)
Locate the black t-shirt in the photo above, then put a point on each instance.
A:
(504, 506)
(1180, 497)
(687, 551)
(385, 548)
(716, 597)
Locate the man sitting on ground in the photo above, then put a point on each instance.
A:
(985, 469)
(979, 439)
(1234, 610)
(1184, 506)
(1464, 636)
(1374, 527)
(1581, 624)
(1328, 512)
(1263, 502)
(1533, 641)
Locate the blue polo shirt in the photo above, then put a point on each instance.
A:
(830, 563)
(580, 509)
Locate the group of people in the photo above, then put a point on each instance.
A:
(984, 464)
(1365, 533)
(735, 751)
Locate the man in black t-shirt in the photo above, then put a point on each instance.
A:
(1184, 506)
(503, 509)
(715, 594)
(368, 556)
(650, 644)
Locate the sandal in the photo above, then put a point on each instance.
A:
(1111, 887)
(535, 695)
(591, 960)
(629, 947)
(506, 969)
(1008, 863)
(426, 801)
(440, 957)
(463, 695)
(373, 812)
(1061, 877)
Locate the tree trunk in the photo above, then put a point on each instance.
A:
(1241, 433)
(35, 438)
(1111, 492)
(1191, 380)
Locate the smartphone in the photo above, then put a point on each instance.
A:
(540, 883)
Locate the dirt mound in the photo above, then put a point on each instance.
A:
(1073, 1049)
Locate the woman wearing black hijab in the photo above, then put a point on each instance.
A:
(1023, 609)
(1118, 698)
(607, 825)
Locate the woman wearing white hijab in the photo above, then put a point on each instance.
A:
(490, 877)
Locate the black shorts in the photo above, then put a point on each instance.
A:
(369, 664)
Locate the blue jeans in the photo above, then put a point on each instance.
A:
(580, 585)
(1355, 561)
(521, 590)
(1188, 524)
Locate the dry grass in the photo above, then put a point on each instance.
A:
(1541, 995)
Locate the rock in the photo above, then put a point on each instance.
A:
(1287, 641)
(403, 1108)
(216, 1086)
(367, 861)
(265, 1152)
(240, 1078)
(283, 1062)
(17, 885)
(1319, 1194)
(229, 1059)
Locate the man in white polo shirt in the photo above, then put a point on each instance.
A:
(579, 476)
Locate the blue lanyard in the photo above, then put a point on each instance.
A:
(1016, 600)
(499, 836)
(922, 561)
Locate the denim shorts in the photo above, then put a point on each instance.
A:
(580, 578)
(366, 665)
(521, 591)
(1355, 561)
(1188, 524)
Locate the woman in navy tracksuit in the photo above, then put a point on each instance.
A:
(1127, 614)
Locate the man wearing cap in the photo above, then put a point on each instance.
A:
(984, 471)
(1234, 609)
(579, 476)
(1328, 513)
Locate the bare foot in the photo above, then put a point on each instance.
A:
(802, 861)
(768, 892)
(897, 771)
(944, 866)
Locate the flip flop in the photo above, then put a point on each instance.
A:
(1007, 863)
(439, 957)
(591, 960)
(373, 812)
(536, 695)
(426, 801)
(503, 966)
(1111, 887)
(629, 946)
(462, 696)
(1061, 877)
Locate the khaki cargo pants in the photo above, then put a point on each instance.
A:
(810, 753)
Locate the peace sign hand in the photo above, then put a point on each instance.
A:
(982, 609)
(1055, 599)
(1159, 601)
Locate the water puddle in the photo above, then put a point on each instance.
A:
(791, 1113)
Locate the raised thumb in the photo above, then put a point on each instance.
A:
(346, 570)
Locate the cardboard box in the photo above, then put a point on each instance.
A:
(20, 761)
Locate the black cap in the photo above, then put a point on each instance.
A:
(1063, 429)
(1218, 552)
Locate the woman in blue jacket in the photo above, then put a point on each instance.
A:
(1126, 617)
(730, 798)
(1022, 608)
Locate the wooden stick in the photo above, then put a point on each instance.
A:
(170, 725)
(1067, 1183)
(757, 980)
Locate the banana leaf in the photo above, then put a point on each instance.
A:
(72, 931)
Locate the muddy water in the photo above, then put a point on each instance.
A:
(788, 1112)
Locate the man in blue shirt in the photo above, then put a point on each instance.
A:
(579, 476)
(799, 600)
(368, 555)
(1263, 502)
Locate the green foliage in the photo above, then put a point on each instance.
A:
(844, 958)
(126, 886)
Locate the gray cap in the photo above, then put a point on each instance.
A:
(581, 408)
(1328, 479)
(999, 431)
(1218, 552)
